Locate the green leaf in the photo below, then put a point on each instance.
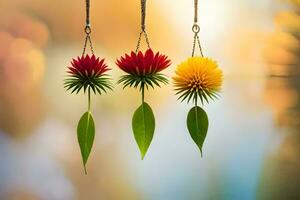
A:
(85, 136)
(143, 125)
(197, 124)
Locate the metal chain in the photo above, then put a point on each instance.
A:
(88, 39)
(143, 27)
(194, 46)
(139, 42)
(143, 32)
(87, 29)
(196, 30)
(196, 40)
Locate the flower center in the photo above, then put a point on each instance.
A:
(196, 83)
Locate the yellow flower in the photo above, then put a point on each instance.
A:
(198, 77)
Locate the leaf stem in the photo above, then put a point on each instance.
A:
(143, 93)
(85, 171)
(196, 112)
(89, 99)
(88, 119)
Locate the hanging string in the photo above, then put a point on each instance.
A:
(87, 29)
(87, 6)
(196, 30)
(143, 14)
(195, 11)
(143, 27)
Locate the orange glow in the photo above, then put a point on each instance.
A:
(288, 20)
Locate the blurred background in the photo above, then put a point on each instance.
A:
(253, 144)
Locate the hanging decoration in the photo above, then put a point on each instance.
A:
(143, 70)
(87, 73)
(198, 79)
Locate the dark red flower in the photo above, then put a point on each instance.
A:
(139, 64)
(88, 72)
(143, 70)
(88, 66)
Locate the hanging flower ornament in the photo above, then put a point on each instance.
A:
(198, 79)
(87, 73)
(143, 71)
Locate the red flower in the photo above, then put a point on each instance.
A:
(143, 70)
(88, 66)
(141, 65)
(88, 73)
